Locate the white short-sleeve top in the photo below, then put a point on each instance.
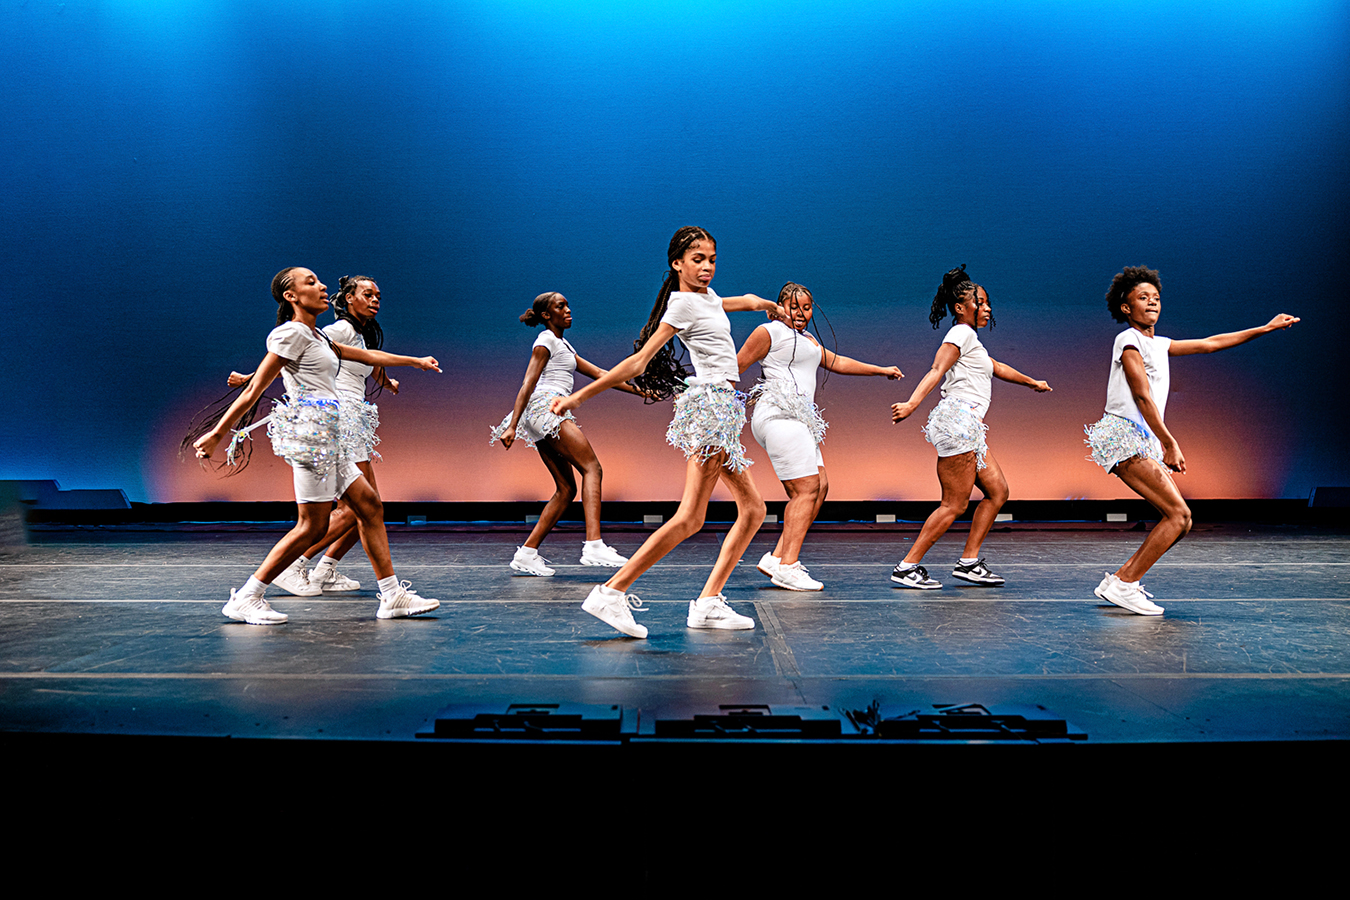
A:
(351, 377)
(793, 357)
(971, 378)
(562, 363)
(1119, 397)
(309, 361)
(704, 328)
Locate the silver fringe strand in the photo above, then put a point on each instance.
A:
(540, 418)
(953, 418)
(304, 431)
(357, 430)
(783, 396)
(1115, 439)
(709, 419)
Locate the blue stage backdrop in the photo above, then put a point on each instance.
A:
(162, 160)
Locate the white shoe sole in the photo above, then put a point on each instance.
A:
(407, 612)
(341, 590)
(793, 587)
(244, 617)
(1152, 609)
(606, 565)
(721, 625)
(917, 587)
(602, 612)
(519, 568)
(980, 581)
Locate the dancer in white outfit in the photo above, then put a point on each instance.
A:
(304, 430)
(788, 425)
(956, 429)
(356, 305)
(561, 444)
(1131, 441)
(709, 418)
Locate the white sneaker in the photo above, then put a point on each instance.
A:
(916, 577)
(1127, 596)
(603, 555)
(713, 612)
(976, 573)
(768, 564)
(330, 581)
(403, 601)
(615, 609)
(254, 611)
(295, 581)
(796, 578)
(528, 560)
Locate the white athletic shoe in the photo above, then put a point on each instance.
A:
(403, 601)
(330, 581)
(976, 573)
(796, 578)
(713, 612)
(1127, 596)
(254, 611)
(528, 560)
(768, 564)
(916, 577)
(615, 609)
(603, 555)
(295, 581)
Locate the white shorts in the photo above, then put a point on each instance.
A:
(792, 451)
(954, 428)
(314, 486)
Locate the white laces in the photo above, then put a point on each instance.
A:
(634, 602)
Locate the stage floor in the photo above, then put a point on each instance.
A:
(118, 631)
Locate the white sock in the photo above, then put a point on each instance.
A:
(302, 562)
(905, 567)
(252, 588)
(526, 551)
(593, 545)
(969, 561)
(388, 585)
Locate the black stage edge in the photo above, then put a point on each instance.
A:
(907, 514)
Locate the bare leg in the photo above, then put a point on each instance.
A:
(312, 522)
(699, 478)
(565, 491)
(749, 516)
(1148, 479)
(573, 447)
(369, 510)
(956, 474)
(995, 487)
(804, 498)
(346, 539)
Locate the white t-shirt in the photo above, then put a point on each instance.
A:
(309, 360)
(704, 328)
(562, 362)
(792, 357)
(351, 378)
(1154, 350)
(971, 378)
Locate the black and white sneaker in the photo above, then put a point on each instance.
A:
(976, 573)
(915, 577)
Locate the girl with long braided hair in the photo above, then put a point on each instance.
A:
(788, 425)
(956, 429)
(709, 419)
(305, 431)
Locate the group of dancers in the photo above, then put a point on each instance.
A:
(325, 429)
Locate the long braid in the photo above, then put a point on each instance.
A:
(666, 373)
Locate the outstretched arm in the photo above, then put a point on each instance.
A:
(1005, 372)
(946, 357)
(380, 359)
(591, 370)
(538, 359)
(382, 378)
(1137, 378)
(263, 376)
(1231, 339)
(627, 370)
(845, 366)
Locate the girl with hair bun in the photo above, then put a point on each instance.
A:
(305, 431)
(709, 419)
(956, 429)
(1131, 441)
(788, 425)
(559, 439)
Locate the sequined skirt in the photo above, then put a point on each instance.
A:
(356, 431)
(1115, 439)
(786, 402)
(955, 428)
(536, 423)
(305, 431)
(709, 419)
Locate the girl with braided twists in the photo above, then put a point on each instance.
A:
(709, 418)
(1131, 440)
(356, 305)
(305, 431)
(788, 425)
(559, 439)
(956, 429)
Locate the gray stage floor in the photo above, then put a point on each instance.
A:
(120, 632)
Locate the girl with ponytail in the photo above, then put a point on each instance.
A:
(559, 439)
(709, 418)
(956, 429)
